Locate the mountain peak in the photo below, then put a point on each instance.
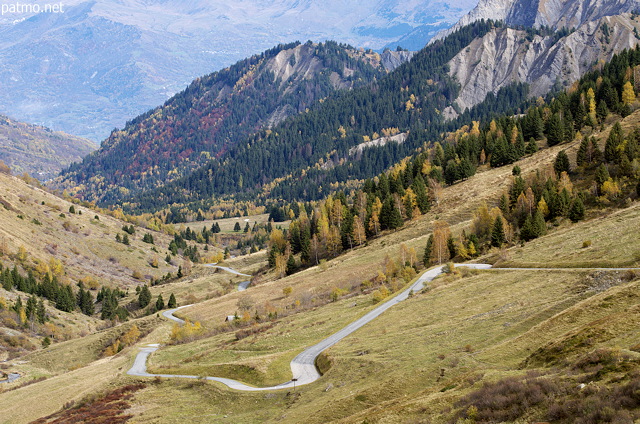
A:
(555, 14)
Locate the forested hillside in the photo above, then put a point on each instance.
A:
(605, 173)
(37, 150)
(410, 99)
(216, 112)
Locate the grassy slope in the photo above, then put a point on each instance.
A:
(494, 313)
(39, 151)
(87, 247)
(485, 324)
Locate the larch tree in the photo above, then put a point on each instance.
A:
(440, 249)
(628, 94)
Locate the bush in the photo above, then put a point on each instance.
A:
(380, 294)
(507, 399)
(586, 243)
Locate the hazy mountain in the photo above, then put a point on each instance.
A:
(37, 150)
(98, 64)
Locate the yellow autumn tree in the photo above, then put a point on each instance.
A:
(441, 234)
(628, 94)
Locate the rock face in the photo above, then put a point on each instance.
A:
(506, 55)
(392, 59)
(599, 29)
(536, 13)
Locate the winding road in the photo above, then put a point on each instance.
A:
(10, 378)
(243, 285)
(303, 366)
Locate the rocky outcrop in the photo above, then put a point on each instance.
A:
(536, 13)
(507, 55)
(392, 59)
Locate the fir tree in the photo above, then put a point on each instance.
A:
(291, 265)
(236, 227)
(497, 233)
(561, 163)
(576, 212)
(539, 224)
(172, 302)
(426, 258)
(555, 130)
(144, 297)
(612, 153)
(532, 147)
(159, 303)
(41, 312)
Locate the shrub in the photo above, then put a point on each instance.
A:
(586, 243)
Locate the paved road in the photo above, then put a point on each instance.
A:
(10, 378)
(303, 367)
(169, 314)
(231, 270)
(243, 285)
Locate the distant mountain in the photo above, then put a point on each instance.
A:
(219, 110)
(100, 63)
(40, 152)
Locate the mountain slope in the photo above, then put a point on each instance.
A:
(556, 14)
(219, 110)
(91, 68)
(39, 151)
(541, 60)
(411, 97)
(570, 36)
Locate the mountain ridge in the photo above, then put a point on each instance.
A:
(98, 64)
(39, 151)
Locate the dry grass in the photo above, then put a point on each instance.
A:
(86, 246)
(227, 224)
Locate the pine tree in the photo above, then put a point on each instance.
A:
(602, 175)
(420, 189)
(497, 233)
(125, 239)
(159, 303)
(144, 297)
(555, 130)
(527, 231)
(426, 258)
(172, 302)
(576, 212)
(41, 312)
(612, 153)
(291, 265)
(539, 224)
(561, 163)
(236, 227)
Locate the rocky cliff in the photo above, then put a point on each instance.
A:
(566, 38)
(556, 14)
(507, 55)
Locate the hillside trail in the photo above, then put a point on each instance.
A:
(303, 366)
